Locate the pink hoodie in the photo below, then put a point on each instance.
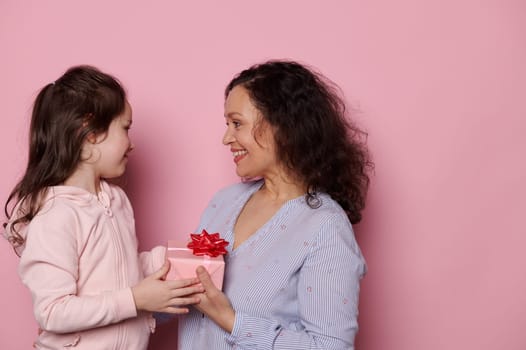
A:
(79, 261)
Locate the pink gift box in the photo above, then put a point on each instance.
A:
(183, 263)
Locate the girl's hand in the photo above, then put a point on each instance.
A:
(214, 303)
(154, 294)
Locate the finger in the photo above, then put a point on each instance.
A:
(166, 262)
(195, 289)
(159, 274)
(185, 301)
(205, 279)
(176, 310)
(174, 284)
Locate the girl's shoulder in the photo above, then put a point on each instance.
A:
(67, 200)
(113, 190)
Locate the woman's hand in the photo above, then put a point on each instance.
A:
(214, 303)
(154, 294)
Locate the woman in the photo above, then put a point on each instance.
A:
(293, 265)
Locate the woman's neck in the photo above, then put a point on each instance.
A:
(282, 188)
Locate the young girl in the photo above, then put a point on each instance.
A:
(75, 232)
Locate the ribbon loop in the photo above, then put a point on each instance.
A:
(207, 244)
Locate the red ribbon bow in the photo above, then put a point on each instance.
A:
(207, 244)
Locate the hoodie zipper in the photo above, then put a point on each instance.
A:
(104, 200)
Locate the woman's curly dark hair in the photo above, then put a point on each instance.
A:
(313, 135)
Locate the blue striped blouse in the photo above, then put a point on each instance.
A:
(294, 283)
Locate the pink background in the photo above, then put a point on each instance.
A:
(440, 86)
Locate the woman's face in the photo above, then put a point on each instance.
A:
(249, 136)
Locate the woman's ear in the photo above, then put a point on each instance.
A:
(264, 134)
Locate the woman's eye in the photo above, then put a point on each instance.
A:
(235, 123)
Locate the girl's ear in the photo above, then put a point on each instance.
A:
(91, 138)
(87, 148)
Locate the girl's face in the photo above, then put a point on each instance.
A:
(249, 136)
(114, 145)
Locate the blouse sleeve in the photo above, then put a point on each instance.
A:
(49, 268)
(328, 290)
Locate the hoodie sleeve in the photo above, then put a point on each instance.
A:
(153, 260)
(49, 267)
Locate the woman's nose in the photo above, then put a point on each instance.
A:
(227, 137)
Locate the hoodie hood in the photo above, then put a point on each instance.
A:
(77, 195)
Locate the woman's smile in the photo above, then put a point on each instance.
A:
(239, 154)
